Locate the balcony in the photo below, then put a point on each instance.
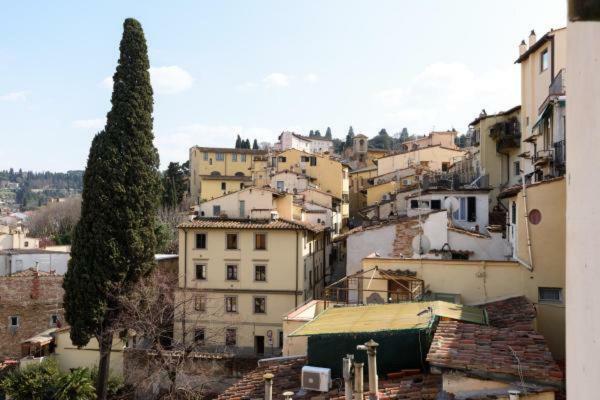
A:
(543, 157)
(507, 135)
(557, 87)
(560, 157)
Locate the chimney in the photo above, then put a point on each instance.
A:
(532, 38)
(522, 47)
(514, 394)
(347, 375)
(371, 348)
(358, 381)
(268, 377)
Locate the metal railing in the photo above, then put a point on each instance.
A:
(557, 87)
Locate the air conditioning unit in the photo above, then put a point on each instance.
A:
(316, 378)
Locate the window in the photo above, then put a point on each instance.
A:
(201, 271)
(241, 185)
(26, 243)
(230, 337)
(535, 216)
(200, 303)
(54, 320)
(260, 305)
(242, 206)
(232, 272)
(304, 158)
(205, 155)
(232, 241)
(467, 210)
(550, 295)
(231, 304)
(280, 343)
(313, 161)
(260, 273)
(200, 240)
(282, 159)
(544, 60)
(513, 213)
(445, 166)
(273, 161)
(216, 210)
(223, 185)
(260, 241)
(199, 336)
(233, 157)
(414, 204)
(471, 209)
(517, 168)
(436, 204)
(280, 186)
(243, 158)
(220, 156)
(14, 321)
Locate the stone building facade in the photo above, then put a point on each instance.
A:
(30, 303)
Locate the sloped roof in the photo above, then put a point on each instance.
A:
(230, 150)
(494, 352)
(386, 317)
(241, 223)
(515, 312)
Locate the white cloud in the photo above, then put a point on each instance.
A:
(170, 80)
(277, 79)
(14, 96)
(446, 95)
(246, 86)
(311, 78)
(165, 80)
(175, 146)
(89, 124)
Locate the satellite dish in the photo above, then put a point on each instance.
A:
(451, 204)
(421, 244)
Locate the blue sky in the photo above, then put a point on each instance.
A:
(256, 68)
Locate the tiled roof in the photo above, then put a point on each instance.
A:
(515, 189)
(226, 178)
(516, 313)
(286, 373)
(230, 150)
(500, 353)
(241, 223)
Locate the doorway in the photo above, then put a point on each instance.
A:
(259, 344)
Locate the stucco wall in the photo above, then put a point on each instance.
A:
(69, 356)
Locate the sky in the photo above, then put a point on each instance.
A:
(257, 68)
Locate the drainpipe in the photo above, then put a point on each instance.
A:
(530, 266)
(296, 292)
(184, 284)
(358, 381)
(347, 375)
(268, 377)
(371, 348)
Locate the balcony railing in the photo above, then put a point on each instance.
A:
(557, 87)
(543, 156)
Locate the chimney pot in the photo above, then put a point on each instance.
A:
(532, 38)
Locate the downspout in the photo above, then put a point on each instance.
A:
(296, 292)
(530, 265)
(184, 284)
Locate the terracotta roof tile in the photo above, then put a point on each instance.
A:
(241, 223)
(499, 352)
(515, 312)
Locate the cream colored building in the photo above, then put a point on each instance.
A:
(436, 158)
(237, 278)
(358, 181)
(496, 141)
(443, 138)
(252, 202)
(543, 120)
(218, 171)
(16, 238)
(329, 175)
(291, 182)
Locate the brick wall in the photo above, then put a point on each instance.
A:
(405, 233)
(34, 299)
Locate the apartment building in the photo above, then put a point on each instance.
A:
(331, 176)
(442, 138)
(218, 171)
(436, 158)
(359, 179)
(252, 202)
(543, 102)
(291, 140)
(237, 277)
(496, 142)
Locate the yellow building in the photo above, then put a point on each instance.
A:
(358, 181)
(329, 175)
(543, 117)
(238, 277)
(496, 141)
(443, 138)
(436, 158)
(218, 171)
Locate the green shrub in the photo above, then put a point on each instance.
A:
(76, 385)
(34, 382)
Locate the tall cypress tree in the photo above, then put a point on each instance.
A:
(328, 133)
(238, 142)
(114, 241)
(255, 145)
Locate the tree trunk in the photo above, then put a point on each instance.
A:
(105, 341)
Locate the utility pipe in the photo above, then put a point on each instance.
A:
(358, 381)
(268, 377)
(347, 375)
(527, 221)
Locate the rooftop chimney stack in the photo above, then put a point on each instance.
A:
(532, 38)
(522, 47)
(268, 377)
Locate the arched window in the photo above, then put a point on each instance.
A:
(239, 174)
(215, 173)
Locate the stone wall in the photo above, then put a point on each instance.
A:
(206, 373)
(34, 298)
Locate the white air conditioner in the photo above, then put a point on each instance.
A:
(316, 378)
